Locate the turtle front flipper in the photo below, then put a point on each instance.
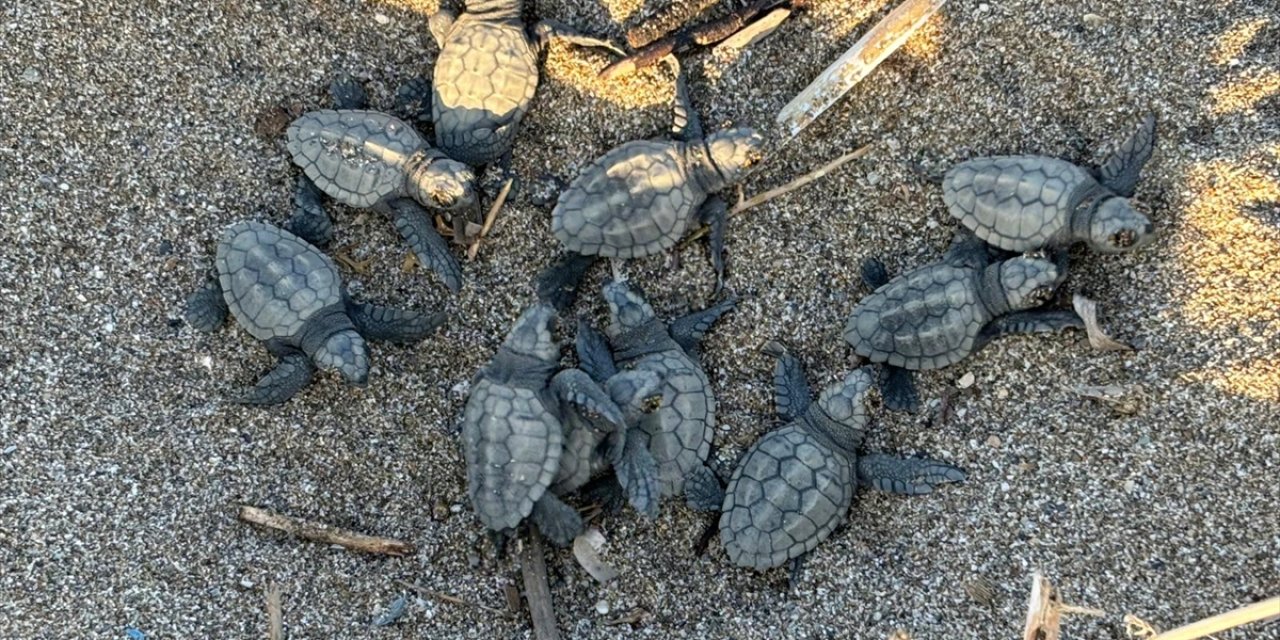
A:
(309, 220)
(792, 394)
(715, 213)
(874, 273)
(559, 522)
(547, 30)
(703, 491)
(1025, 322)
(906, 476)
(207, 308)
(413, 100)
(1122, 168)
(687, 331)
(594, 356)
(686, 124)
(291, 375)
(558, 284)
(347, 93)
(388, 324)
(441, 23)
(637, 474)
(578, 392)
(898, 389)
(432, 251)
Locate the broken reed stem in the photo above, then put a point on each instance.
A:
(489, 219)
(803, 180)
(1244, 615)
(275, 613)
(451, 599)
(324, 533)
(537, 591)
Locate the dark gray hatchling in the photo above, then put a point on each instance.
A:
(289, 295)
(514, 429)
(486, 75)
(939, 314)
(793, 487)
(1023, 203)
(640, 198)
(368, 159)
(679, 431)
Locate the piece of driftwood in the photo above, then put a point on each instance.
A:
(275, 613)
(856, 63)
(1255, 612)
(705, 34)
(318, 532)
(754, 32)
(662, 22)
(475, 232)
(537, 591)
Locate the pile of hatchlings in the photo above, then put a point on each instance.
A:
(633, 422)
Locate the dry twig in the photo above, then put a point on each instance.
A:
(536, 590)
(489, 219)
(1255, 612)
(1045, 610)
(275, 613)
(318, 532)
(451, 599)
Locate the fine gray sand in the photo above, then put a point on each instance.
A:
(132, 133)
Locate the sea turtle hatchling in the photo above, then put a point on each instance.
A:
(486, 75)
(1023, 203)
(514, 429)
(288, 294)
(369, 159)
(793, 487)
(939, 314)
(679, 431)
(640, 198)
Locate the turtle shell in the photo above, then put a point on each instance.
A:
(272, 280)
(1017, 203)
(357, 157)
(512, 444)
(485, 78)
(636, 200)
(678, 433)
(788, 494)
(925, 319)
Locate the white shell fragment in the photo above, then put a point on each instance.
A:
(586, 549)
(1098, 339)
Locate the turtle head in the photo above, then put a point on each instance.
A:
(844, 403)
(628, 309)
(1117, 226)
(531, 334)
(732, 153)
(1029, 281)
(447, 185)
(345, 352)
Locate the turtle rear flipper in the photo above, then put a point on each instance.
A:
(291, 375)
(874, 273)
(898, 389)
(432, 251)
(703, 491)
(1122, 168)
(593, 352)
(347, 92)
(388, 324)
(907, 476)
(559, 522)
(309, 220)
(637, 474)
(206, 308)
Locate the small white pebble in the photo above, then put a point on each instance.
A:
(381, 19)
(602, 607)
(993, 441)
(31, 74)
(455, 508)
(1002, 393)
(966, 380)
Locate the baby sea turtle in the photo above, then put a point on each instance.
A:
(486, 75)
(289, 295)
(368, 159)
(793, 487)
(641, 197)
(939, 314)
(514, 425)
(1023, 203)
(678, 432)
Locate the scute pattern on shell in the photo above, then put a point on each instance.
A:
(356, 157)
(926, 319)
(788, 494)
(679, 431)
(272, 280)
(512, 445)
(634, 201)
(1017, 203)
(484, 81)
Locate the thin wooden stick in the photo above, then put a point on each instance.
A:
(1244, 615)
(536, 589)
(803, 180)
(451, 599)
(275, 613)
(489, 219)
(324, 533)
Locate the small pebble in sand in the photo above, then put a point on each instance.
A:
(966, 380)
(602, 607)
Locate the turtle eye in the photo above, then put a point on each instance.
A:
(1124, 238)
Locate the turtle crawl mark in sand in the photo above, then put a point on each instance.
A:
(640, 198)
(1023, 203)
(288, 294)
(368, 159)
(793, 487)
